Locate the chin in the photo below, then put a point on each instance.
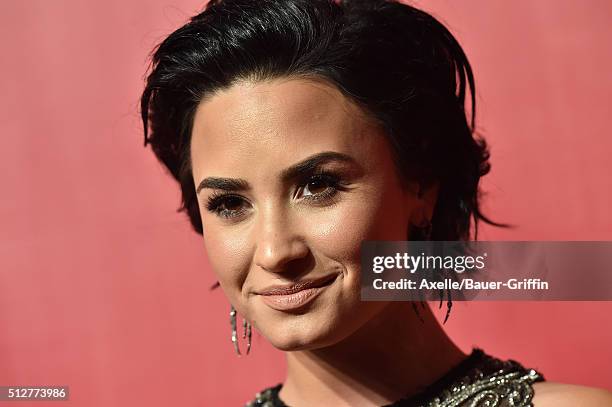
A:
(300, 342)
(290, 345)
(301, 333)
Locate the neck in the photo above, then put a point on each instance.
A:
(394, 355)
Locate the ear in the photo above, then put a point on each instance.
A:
(424, 201)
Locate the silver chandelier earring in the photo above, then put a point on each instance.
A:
(246, 331)
(425, 229)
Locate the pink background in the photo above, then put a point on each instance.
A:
(104, 288)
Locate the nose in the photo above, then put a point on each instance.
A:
(278, 241)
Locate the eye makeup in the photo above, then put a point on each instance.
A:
(318, 188)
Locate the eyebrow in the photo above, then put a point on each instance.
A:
(295, 171)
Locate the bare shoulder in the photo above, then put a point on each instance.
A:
(549, 394)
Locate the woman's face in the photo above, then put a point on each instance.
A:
(291, 178)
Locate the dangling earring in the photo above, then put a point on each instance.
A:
(246, 331)
(425, 235)
(449, 301)
(426, 232)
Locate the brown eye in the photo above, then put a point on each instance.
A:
(232, 203)
(316, 186)
(226, 205)
(320, 187)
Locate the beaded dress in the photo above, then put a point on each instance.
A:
(479, 380)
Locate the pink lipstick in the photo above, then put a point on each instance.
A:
(295, 296)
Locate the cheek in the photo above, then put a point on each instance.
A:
(378, 215)
(227, 252)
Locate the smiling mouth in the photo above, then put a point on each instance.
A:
(295, 296)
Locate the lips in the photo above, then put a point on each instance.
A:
(299, 286)
(295, 296)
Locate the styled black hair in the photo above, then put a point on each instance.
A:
(398, 63)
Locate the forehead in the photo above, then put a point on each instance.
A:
(275, 123)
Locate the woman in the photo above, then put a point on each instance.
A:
(298, 129)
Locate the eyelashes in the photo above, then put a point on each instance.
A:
(223, 204)
(318, 189)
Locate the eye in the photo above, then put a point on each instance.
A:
(320, 187)
(316, 186)
(226, 205)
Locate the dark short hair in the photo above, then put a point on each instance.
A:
(398, 63)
